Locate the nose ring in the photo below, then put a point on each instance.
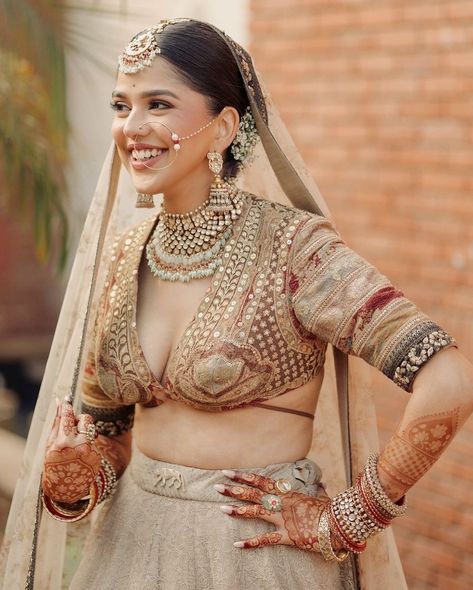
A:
(174, 136)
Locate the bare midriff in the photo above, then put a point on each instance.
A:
(175, 431)
(244, 437)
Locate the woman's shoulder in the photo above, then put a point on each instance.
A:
(134, 232)
(302, 222)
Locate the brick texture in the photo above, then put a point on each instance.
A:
(378, 97)
(29, 299)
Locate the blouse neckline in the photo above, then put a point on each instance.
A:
(165, 383)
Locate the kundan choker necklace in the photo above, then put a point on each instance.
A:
(187, 246)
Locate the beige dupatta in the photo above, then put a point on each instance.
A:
(345, 428)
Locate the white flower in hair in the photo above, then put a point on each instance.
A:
(245, 140)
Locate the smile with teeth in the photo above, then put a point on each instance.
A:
(147, 154)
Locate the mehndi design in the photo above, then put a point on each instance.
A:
(297, 522)
(411, 452)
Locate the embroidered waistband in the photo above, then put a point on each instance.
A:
(191, 483)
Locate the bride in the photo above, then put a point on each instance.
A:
(205, 335)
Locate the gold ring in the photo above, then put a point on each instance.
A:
(90, 432)
(283, 485)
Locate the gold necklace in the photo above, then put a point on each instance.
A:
(187, 246)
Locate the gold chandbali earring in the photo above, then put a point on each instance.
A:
(187, 246)
(144, 201)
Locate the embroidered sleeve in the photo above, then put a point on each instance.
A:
(110, 417)
(341, 298)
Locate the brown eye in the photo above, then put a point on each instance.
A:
(158, 105)
(117, 106)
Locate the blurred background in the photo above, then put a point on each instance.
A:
(379, 99)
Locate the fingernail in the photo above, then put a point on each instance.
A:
(58, 401)
(219, 487)
(68, 398)
(229, 473)
(239, 544)
(227, 509)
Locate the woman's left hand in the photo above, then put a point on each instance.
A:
(295, 515)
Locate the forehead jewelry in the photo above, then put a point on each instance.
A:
(176, 139)
(142, 49)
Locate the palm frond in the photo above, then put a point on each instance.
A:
(34, 35)
(32, 161)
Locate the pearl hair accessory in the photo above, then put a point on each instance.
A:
(245, 140)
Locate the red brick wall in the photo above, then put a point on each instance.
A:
(29, 296)
(379, 98)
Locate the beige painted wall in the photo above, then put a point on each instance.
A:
(99, 38)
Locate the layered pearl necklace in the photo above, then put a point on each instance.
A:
(187, 246)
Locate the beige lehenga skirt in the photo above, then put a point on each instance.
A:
(163, 530)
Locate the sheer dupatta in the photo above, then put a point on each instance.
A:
(39, 552)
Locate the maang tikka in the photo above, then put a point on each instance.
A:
(142, 49)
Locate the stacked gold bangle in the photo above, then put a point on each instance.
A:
(379, 496)
(358, 513)
(325, 543)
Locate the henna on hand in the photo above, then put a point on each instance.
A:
(266, 484)
(410, 453)
(69, 472)
(241, 492)
(116, 449)
(260, 541)
(71, 463)
(301, 515)
(251, 511)
(68, 421)
(296, 523)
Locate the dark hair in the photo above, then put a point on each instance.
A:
(205, 61)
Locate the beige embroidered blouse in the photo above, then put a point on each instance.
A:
(287, 285)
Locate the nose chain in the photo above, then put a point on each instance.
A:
(176, 139)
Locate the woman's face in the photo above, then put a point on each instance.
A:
(149, 106)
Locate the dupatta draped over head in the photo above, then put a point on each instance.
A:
(39, 552)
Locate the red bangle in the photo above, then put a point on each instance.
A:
(370, 506)
(348, 543)
(64, 515)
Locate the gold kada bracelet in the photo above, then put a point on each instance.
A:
(60, 512)
(325, 543)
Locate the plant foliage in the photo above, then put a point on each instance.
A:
(33, 125)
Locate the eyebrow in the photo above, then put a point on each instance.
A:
(147, 94)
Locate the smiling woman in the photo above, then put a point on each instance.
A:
(147, 119)
(203, 314)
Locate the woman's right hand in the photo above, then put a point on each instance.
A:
(71, 462)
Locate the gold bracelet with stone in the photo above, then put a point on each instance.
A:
(364, 509)
(377, 493)
(109, 479)
(339, 535)
(356, 522)
(325, 543)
